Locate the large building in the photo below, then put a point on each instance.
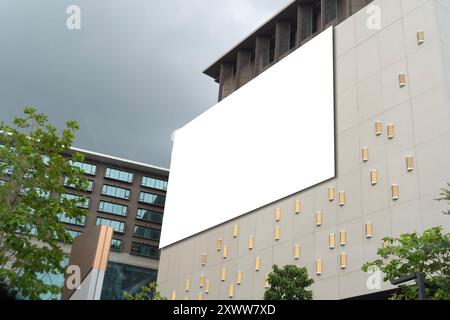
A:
(129, 197)
(350, 144)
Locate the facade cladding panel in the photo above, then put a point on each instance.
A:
(411, 167)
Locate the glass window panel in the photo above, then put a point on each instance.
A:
(121, 277)
(82, 203)
(116, 244)
(148, 233)
(151, 198)
(145, 250)
(117, 226)
(113, 208)
(81, 221)
(154, 183)
(119, 175)
(149, 215)
(116, 192)
(89, 169)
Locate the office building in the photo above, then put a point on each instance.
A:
(332, 131)
(129, 197)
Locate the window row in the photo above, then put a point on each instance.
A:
(154, 183)
(147, 233)
(145, 250)
(116, 192)
(119, 175)
(81, 221)
(152, 199)
(82, 201)
(89, 188)
(116, 244)
(112, 208)
(117, 226)
(89, 169)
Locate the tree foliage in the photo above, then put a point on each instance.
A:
(445, 196)
(33, 170)
(428, 253)
(288, 283)
(147, 292)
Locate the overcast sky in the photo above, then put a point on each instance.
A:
(130, 76)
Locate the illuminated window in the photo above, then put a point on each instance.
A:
(402, 80)
(391, 131)
(369, 230)
(342, 237)
(342, 198)
(298, 207)
(365, 154)
(297, 252)
(277, 233)
(318, 218)
(257, 264)
(235, 231)
(225, 252)
(203, 259)
(420, 37)
(239, 277)
(331, 193)
(410, 163)
(319, 266)
(223, 275)
(395, 192)
(343, 260)
(277, 214)
(251, 242)
(332, 240)
(378, 128)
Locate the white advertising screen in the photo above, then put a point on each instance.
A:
(268, 140)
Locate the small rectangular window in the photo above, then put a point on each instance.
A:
(410, 163)
(298, 207)
(297, 252)
(332, 240)
(116, 244)
(373, 177)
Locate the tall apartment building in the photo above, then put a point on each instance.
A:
(384, 165)
(129, 197)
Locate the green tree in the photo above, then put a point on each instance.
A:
(288, 283)
(428, 253)
(147, 292)
(445, 196)
(33, 169)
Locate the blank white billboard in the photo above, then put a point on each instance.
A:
(268, 140)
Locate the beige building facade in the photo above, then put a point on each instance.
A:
(392, 115)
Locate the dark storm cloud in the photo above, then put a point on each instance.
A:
(130, 76)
